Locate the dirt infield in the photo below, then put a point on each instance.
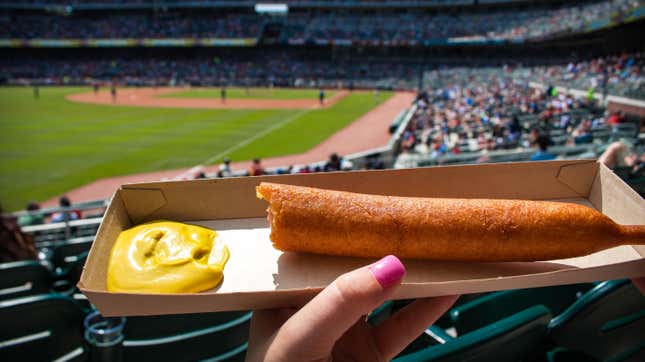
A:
(368, 131)
(148, 97)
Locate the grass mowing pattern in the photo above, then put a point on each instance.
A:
(254, 93)
(310, 128)
(50, 145)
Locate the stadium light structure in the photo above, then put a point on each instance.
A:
(271, 9)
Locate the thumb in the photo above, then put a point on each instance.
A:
(315, 328)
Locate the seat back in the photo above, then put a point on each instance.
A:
(69, 252)
(603, 323)
(41, 327)
(492, 307)
(509, 339)
(69, 275)
(23, 278)
(187, 337)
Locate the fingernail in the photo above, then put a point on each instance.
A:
(388, 271)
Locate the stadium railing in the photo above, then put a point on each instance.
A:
(81, 206)
(407, 160)
(47, 235)
(597, 95)
(53, 234)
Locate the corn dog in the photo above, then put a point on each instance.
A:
(305, 219)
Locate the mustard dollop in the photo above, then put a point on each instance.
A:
(166, 257)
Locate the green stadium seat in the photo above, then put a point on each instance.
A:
(23, 278)
(509, 339)
(489, 308)
(190, 337)
(71, 272)
(605, 323)
(69, 252)
(41, 328)
(383, 312)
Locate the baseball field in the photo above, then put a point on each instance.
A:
(51, 144)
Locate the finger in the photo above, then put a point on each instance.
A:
(315, 328)
(395, 333)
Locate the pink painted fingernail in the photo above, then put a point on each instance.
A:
(388, 271)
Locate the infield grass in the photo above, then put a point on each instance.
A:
(50, 145)
(252, 93)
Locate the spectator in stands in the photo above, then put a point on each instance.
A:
(225, 168)
(582, 133)
(31, 218)
(14, 244)
(616, 118)
(256, 168)
(333, 324)
(374, 162)
(334, 163)
(619, 154)
(65, 215)
(622, 158)
(542, 154)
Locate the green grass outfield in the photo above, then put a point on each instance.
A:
(50, 145)
(253, 93)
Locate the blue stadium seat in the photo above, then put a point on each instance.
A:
(41, 328)
(509, 339)
(608, 322)
(23, 278)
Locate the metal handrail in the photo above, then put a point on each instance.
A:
(87, 205)
(61, 225)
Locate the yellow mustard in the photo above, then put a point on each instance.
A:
(166, 257)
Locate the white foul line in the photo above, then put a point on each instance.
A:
(249, 140)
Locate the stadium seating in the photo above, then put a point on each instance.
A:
(333, 25)
(509, 339)
(24, 278)
(41, 327)
(53, 234)
(383, 312)
(71, 251)
(487, 309)
(187, 338)
(607, 322)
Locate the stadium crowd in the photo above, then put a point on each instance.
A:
(470, 110)
(622, 75)
(416, 27)
(157, 25)
(410, 27)
(478, 111)
(281, 68)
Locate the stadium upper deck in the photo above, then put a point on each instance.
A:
(417, 23)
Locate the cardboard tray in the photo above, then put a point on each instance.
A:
(258, 276)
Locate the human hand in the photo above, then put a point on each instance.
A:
(332, 326)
